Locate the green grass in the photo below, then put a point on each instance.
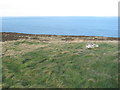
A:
(66, 65)
(25, 42)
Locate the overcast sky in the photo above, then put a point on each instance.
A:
(59, 7)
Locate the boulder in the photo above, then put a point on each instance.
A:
(92, 45)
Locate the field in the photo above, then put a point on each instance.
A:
(59, 62)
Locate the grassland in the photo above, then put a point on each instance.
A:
(54, 63)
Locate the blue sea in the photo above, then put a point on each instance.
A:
(58, 25)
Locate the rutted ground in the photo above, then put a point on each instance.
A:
(37, 64)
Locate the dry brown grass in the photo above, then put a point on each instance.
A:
(19, 49)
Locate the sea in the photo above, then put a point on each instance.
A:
(62, 25)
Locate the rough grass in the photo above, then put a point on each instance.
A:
(60, 65)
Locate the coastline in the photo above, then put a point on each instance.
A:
(8, 36)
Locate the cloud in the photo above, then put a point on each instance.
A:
(59, 7)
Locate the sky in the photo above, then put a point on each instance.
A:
(59, 7)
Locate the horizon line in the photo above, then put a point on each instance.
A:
(59, 16)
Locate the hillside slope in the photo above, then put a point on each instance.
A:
(59, 63)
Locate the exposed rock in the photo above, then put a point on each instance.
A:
(92, 45)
